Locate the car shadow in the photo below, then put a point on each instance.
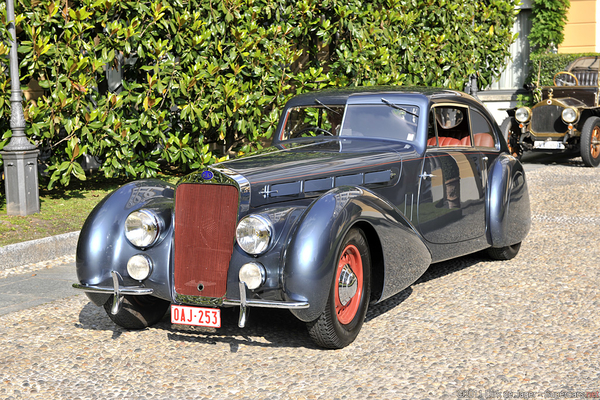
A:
(265, 327)
(538, 159)
(434, 271)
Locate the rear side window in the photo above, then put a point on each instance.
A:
(483, 136)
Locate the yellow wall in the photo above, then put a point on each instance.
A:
(581, 31)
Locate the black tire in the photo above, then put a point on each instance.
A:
(339, 324)
(509, 127)
(589, 145)
(138, 312)
(504, 253)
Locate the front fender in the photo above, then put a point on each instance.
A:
(102, 246)
(509, 214)
(311, 255)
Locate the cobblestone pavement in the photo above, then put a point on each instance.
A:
(470, 328)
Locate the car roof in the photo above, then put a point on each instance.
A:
(590, 63)
(342, 95)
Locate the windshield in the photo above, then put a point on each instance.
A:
(356, 120)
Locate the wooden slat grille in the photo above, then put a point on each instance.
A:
(205, 219)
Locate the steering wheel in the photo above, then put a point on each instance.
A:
(315, 129)
(564, 82)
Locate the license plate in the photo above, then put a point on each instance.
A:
(197, 316)
(548, 144)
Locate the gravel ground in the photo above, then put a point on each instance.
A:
(469, 328)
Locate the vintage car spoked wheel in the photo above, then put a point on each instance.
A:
(504, 253)
(590, 142)
(348, 300)
(509, 129)
(137, 312)
(317, 130)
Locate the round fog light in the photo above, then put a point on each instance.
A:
(139, 267)
(253, 275)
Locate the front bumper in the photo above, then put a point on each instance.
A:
(118, 290)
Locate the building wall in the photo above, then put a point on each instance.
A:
(583, 28)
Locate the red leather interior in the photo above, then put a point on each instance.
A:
(481, 140)
(448, 141)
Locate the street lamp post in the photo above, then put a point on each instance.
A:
(20, 156)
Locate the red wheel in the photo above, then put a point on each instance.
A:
(349, 278)
(343, 316)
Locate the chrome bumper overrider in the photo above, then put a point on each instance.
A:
(120, 291)
(244, 303)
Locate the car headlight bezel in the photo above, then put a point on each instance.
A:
(254, 233)
(574, 115)
(523, 114)
(143, 228)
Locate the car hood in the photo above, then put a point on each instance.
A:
(280, 173)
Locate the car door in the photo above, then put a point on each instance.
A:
(451, 199)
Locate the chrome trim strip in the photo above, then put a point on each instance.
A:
(291, 305)
(218, 302)
(243, 186)
(124, 290)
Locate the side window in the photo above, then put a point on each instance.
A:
(452, 125)
(483, 136)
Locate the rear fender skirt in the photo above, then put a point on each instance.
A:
(312, 251)
(102, 246)
(508, 209)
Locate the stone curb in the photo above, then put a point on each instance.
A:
(38, 250)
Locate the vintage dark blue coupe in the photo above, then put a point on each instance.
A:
(360, 192)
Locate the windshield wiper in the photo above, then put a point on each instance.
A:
(389, 103)
(327, 107)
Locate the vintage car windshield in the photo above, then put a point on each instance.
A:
(389, 121)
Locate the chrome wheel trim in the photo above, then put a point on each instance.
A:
(347, 285)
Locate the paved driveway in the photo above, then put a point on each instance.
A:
(470, 328)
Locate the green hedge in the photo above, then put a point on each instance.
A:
(543, 67)
(207, 79)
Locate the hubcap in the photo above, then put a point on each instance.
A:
(349, 284)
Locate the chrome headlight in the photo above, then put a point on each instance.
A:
(254, 233)
(139, 267)
(523, 114)
(253, 275)
(570, 115)
(142, 228)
